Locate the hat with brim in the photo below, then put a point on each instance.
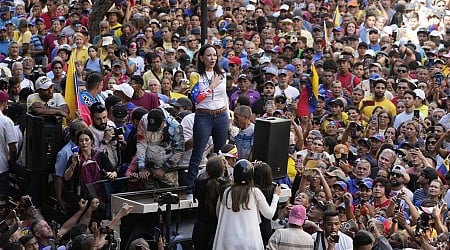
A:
(124, 88)
(43, 82)
(155, 118)
(232, 153)
(297, 216)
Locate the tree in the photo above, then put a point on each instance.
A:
(99, 10)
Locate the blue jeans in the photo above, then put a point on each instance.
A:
(206, 125)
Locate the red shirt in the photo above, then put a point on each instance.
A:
(148, 101)
(123, 78)
(346, 81)
(48, 19)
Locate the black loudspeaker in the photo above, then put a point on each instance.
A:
(43, 140)
(271, 144)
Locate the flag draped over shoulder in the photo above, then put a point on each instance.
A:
(71, 92)
(308, 99)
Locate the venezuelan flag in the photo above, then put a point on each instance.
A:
(337, 18)
(443, 169)
(309, 95)
(71, 92)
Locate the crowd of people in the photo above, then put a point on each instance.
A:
(364, 85)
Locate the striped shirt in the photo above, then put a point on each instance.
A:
(290, 239)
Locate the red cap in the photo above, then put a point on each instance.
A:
(235, 60)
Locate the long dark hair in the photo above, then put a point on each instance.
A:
(215, 168)
(201, 65)
(263, 175)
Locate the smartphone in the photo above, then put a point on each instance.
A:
(416, 114)
(28, 203)
(227, 8)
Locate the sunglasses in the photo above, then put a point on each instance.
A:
(431, 142)
(401, 71)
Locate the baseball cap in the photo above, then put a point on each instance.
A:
(271, 70)
(353, 3)
(250, 7)
(420, 93)
(366, 182)
(290, 67)
(116, 63)
(297, 216)
(282, 72)
(217, 43)
(124, 88)
(284, 7)
(363, 141)
(43, 82)
(183, 102)
(337, 102)
(336, 173)
(341, 184)
(170, 50)
(235, 60)
(269, 82)
(398, 169)
(155, 118)
(378, 137)
(370, 52)
(243, 77)
(4, 97)
(264, 59)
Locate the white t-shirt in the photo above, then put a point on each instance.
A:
(7, 136)
(345, 242)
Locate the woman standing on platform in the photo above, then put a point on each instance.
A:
(208, 91)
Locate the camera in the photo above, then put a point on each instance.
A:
(168, 199)
(106, 230)
(335, 237)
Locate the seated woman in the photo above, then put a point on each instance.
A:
(88, 165)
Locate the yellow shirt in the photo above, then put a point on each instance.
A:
(424, 110)
(385, 104)
(81, 54)
(25, 39)
(117, 29)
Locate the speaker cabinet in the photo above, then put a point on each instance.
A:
(271, 144)
(44, 139)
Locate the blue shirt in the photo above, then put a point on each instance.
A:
(4, 47)
(62, 158)
(87, 99)
(37, 41)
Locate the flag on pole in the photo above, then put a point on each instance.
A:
(337, 18)
(71, 92)
(309, 95)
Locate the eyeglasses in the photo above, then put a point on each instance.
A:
(397, 175)
(175, 41)
(431, 142)
(165, 21)
(384, 116)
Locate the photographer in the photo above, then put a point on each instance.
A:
(331, 238)
(104, 130)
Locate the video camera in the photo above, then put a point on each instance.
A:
(168, 199)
